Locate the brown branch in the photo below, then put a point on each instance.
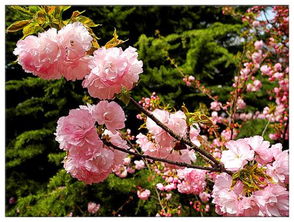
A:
(208, 157)
(181, 164)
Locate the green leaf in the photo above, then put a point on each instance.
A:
(19, 25)
(50, 9)
(114, 41)
(30, 29)
(75, 14)
(40, 17)
(87, 21)
(21, 9)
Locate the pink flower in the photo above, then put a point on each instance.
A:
(279, 170)
(75, 40)
(257, 83)
(92, 170)
(204, 196)
(241, 104)
(261, 147)
(76, 69)
(256, 23)
(52, 55)
(160, 186)
(145, 144)
(258, 45)
(237, 156)
(193, 181)
(265, 69)
(76, 129)
(215, 106)
(278, 67)
(257, 57)
(175, 121)
(161, 136)
(194, 133)
(139, 164)
(127, 161)
(143, 195)
(111, 70)
(116, 140)
(273, 200)
(110, 114)
(93, 207)
(40, 55)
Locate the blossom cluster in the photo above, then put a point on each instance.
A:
(88, 159)
(52, 54)
(266, 193)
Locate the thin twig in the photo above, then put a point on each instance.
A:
(181, 164)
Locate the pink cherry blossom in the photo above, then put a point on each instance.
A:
(273, 200)
(76, 129)
(109, 113)
(279, 169)
(265, 69)
(261, 148)
(241, 104)
(175, 121)
(40, 55)
(160, 186)
(193, 181)
(54, 54)
(278, 67)
(75, 40)
(93, 207)
(143, 195)
(237, 156)
(93, 170)
(256, 23)
(204, 196)
(215, 106)
(139, 164)
(257, 57)
(116, 140)
(76, 69)
(111, 70)
(258, 45)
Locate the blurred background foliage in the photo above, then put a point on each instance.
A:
(198, 40)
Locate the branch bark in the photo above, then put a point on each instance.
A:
(181, 164)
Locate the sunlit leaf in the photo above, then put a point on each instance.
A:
(75, 14)
(114, 41)
(32, 28)
(40, 17)
(87, 21)
(21, 9)
(50, 9)
(19, 25)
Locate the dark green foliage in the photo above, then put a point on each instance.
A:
(255, 127)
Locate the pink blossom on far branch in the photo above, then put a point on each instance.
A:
(93, 207)
(143, 194)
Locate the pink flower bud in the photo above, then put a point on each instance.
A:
(143, 195)
(258, 45)
(93, 207)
